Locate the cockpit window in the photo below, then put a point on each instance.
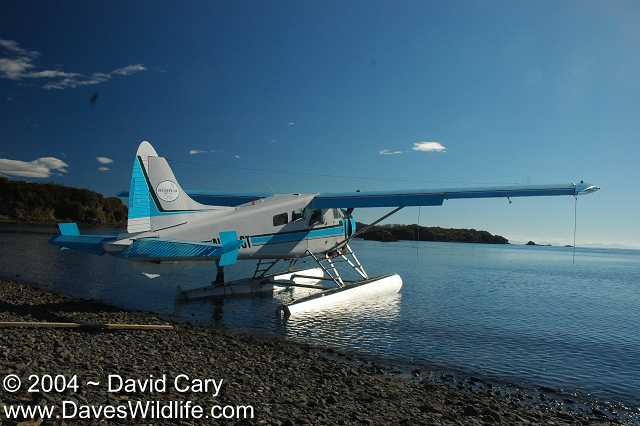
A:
(337, 214)
(316, 217)
(280, 219)
(297, 215)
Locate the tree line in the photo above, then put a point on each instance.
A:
(49, 203)
(429, 233)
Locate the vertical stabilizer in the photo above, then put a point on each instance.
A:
(155, 194)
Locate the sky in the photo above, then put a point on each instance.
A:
(335, 96)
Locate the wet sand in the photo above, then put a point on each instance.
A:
(285, 382)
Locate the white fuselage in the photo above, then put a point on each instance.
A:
(277, 227)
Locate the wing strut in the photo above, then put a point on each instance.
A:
(355, 234)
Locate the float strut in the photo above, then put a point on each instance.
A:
(219, 276)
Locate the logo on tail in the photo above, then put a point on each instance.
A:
(167, 191)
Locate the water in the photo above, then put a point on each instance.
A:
(516, 313)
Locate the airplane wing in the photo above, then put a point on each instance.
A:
(435, 197)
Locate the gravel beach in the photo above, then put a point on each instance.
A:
(285, 383)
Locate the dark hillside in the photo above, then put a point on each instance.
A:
(426, 233)
(48, 203)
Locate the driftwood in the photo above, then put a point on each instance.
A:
(84, 326)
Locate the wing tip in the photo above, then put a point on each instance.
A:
(584, 188)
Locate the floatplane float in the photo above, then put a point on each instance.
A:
(168, 224)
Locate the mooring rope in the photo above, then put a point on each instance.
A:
(418, 236)
(575, 225)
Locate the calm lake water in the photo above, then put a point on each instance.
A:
(515, 313)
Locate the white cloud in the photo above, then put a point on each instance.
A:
(39, 168)
(103, 169)
(14, 47)
(104, 160)
(52, 74)
(237, 157)
(389, 152)
(203, 151)
(53, 163)
(79, 80)
(14, 68)
(129, 69)
(430, 146)
(17, 63)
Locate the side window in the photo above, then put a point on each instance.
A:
(297, 215)
(280, 219)
(316, 217)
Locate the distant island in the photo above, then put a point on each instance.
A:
(428, 233)
(533, 243)
(28, 202)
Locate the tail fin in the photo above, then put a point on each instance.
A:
(155, 196)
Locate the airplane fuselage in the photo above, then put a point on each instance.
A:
(277, 227)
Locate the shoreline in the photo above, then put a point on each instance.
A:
(286, 382)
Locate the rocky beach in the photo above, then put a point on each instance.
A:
(285, 383)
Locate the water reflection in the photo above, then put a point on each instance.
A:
(349, 324)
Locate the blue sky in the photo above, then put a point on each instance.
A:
(333, 96)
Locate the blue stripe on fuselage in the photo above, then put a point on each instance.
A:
(334, 231)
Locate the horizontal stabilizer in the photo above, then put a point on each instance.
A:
(70, 238)
(154, 249)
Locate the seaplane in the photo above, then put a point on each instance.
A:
(168, 224)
